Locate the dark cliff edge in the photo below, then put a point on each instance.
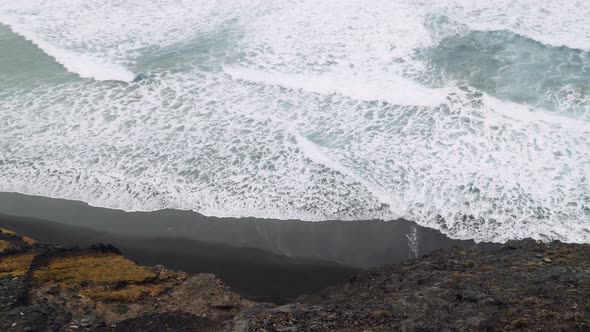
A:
(522, 285)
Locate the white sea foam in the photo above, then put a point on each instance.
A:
(244, 149)
(309, 110)
(315, 154)
(108, 40)
(396, 90)
(555, 23)
(84, 65)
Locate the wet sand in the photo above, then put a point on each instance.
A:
(273, 260)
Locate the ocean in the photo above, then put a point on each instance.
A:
(470, 117)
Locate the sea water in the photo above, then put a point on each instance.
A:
(472, 117)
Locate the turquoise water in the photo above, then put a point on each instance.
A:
(462, 116)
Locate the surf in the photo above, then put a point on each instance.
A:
(83, 65)
(346, 110)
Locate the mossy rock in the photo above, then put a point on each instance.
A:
(5, 245)
(7, 234)
(17, 265)
(28, 240)
(91, 268)
(5, 231)
(130, 293)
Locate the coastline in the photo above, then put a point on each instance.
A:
(270, 260)
(253, 273)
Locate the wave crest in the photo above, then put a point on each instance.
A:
(83, 65)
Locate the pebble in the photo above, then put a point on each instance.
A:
(571, 316)
(53, 289)
(489, 301)
(475, 321)
(547, 259)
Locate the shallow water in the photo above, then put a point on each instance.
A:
(462, 116)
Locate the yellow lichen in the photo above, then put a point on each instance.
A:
(16, 265)
(5, 231)
(4, 245)
(24, 238)
(29, 240)
(91, 268)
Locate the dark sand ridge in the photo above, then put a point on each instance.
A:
(264, 259)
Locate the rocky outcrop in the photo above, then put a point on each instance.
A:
(56, 288)
(525, 285)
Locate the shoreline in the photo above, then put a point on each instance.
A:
(249, 254)
(255, 274)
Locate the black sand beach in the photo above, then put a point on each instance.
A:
(269, 260)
